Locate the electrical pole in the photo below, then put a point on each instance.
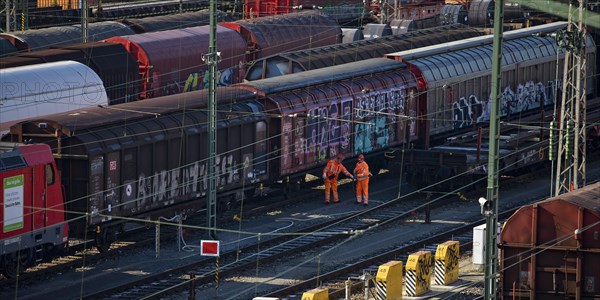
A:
(24, 15)
(570, 168)
(212, 59)
(84, 21)
(7, 15)
(491, 229)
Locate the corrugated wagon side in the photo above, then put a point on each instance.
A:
(271, 35)
(363, 107)
(551, 249)
(168, 58)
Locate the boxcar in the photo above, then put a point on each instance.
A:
(458, 81)
(550, 249)
(327, 56)
(115, 67)
(149, 161)
(271, 35)
(167, 58)
(361, 107)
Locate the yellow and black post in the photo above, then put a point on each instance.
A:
(446, 263)
(388, 282)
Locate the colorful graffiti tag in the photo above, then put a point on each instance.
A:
(377, 115)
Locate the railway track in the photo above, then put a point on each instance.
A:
(148, 287)
(266, 250)
(83, 253)
(335, 280)
(290, 243)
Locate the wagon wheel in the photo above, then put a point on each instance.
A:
(9, 266)
(105, 239)
(299, 183)
(249, 193)
(376, 168)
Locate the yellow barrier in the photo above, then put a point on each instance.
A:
(316, 294)
(446, 263)
(418, 273)
(388, 282)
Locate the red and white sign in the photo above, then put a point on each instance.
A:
(209, 248)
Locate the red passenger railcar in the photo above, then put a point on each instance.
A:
(32, 215)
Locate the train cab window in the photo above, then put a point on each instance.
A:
(49, 174)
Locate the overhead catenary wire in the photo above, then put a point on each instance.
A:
(255, 233)
(151, 195)
(237, 167)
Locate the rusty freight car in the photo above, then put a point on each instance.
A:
(551, 249)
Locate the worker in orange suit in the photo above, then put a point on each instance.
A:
(361, 171)
(330, 175)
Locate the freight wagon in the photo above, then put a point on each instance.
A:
(37, 39)
(321, 57)
(549, 249)
(150, 161)
(143, 66)
(458, 97)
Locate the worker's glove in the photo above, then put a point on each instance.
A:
(331, 177)
(324, 176)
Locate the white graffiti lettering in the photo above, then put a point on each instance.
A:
(527, 96)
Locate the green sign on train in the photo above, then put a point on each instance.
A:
(13, 203)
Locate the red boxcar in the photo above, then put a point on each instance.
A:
(32, 215)
(550, 249)
(168, 58)
(271, 35)
(363, 107)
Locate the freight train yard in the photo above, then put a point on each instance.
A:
(108, 177)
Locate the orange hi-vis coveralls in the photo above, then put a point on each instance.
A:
(362, 184)
(330, 175)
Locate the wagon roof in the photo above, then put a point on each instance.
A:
(331, 55)
(174, 21)
(52, 36)
(76, 120)
(442, 67)
(476, 41)
(321, 76)
(292, 31)
(587, 197)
